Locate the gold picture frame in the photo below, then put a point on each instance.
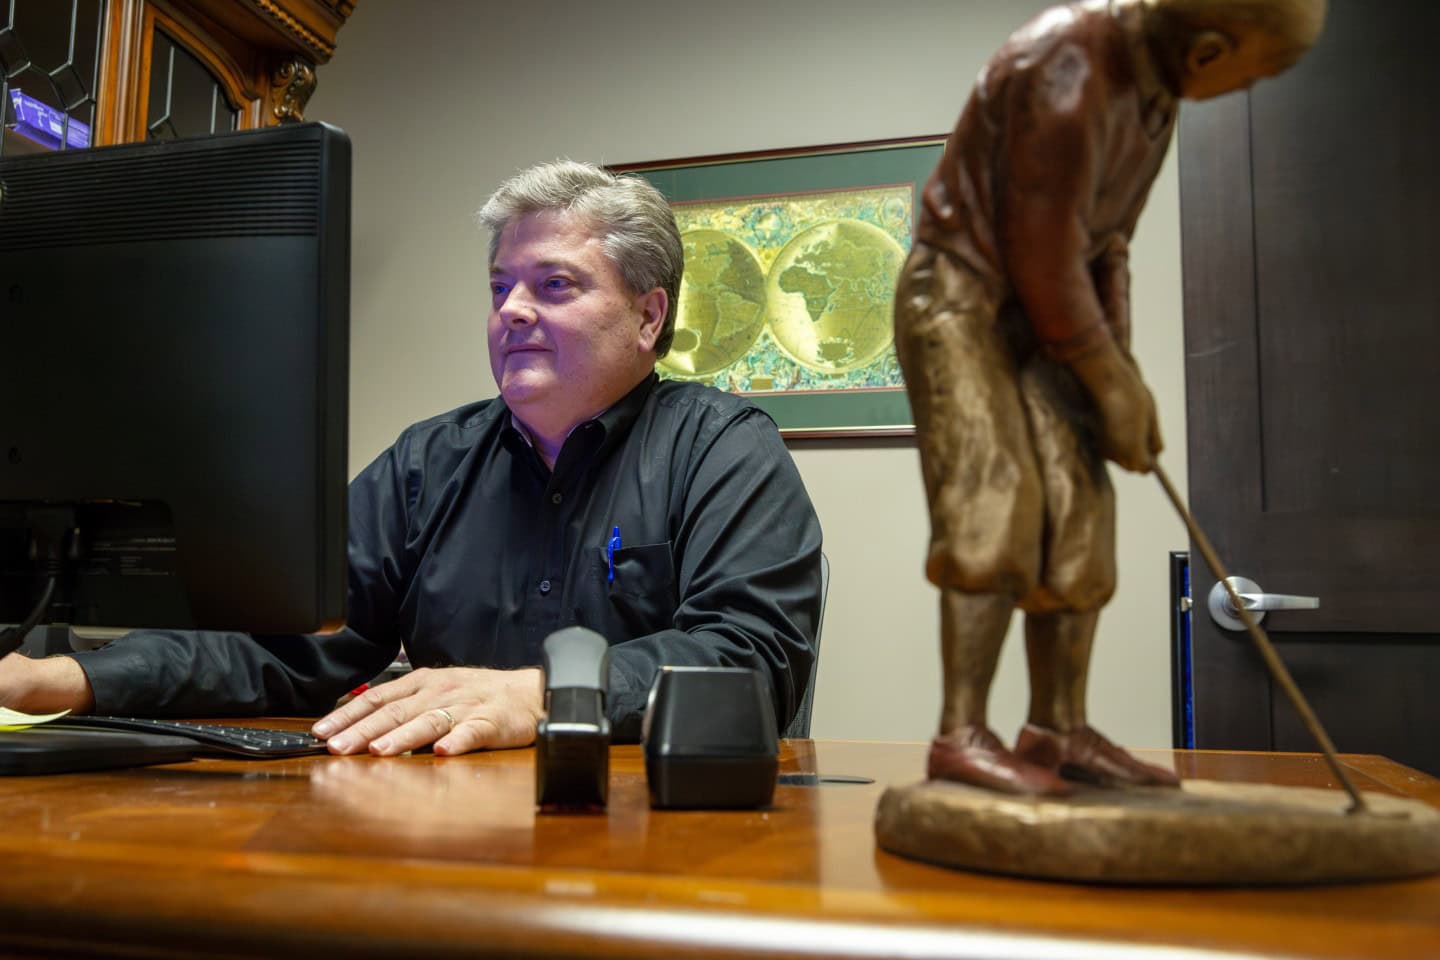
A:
(791, 261)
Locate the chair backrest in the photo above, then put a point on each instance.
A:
(800, 726)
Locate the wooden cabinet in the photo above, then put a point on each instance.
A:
(96, 72)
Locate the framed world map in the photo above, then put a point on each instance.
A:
(791, 258)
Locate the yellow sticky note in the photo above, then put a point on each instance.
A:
(15, 720)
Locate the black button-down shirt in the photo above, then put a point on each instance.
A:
(468, 550)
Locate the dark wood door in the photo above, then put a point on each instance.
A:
(1311, 246)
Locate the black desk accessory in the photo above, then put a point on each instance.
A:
(44, 749)
(710, 739)
(572, 742)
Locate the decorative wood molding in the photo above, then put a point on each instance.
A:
(313, 23)
(293, 81)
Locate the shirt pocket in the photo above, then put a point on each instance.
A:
(642, 592)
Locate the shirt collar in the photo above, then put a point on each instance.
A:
(617, 419)
(606, 427)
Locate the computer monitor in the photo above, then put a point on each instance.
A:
(174, 350)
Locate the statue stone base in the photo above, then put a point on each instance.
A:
(1206, 833)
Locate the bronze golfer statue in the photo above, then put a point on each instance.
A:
(1012, 325)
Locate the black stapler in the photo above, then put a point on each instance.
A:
(572, 742)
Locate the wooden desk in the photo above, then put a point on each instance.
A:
(413, 856)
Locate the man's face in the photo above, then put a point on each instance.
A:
(567, 337)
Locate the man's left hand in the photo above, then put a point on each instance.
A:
(458, 709)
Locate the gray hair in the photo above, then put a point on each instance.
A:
(636, 226)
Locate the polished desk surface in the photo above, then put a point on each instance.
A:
(418, 856)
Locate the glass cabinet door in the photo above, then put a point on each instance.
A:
(49, 73)
(186, 99)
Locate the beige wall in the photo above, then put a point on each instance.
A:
(444, 99)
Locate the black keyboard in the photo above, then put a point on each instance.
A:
(255, 742)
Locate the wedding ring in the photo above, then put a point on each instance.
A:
(447, 715)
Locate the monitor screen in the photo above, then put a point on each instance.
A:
(174, 349)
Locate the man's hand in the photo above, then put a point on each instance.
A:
(490, 709)
(44, 686)
(1129, 425)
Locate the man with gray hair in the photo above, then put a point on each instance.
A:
(667, 516)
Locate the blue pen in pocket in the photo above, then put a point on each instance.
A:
(610, 549)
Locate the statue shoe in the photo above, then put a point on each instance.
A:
(974, 755)
(1085, 754)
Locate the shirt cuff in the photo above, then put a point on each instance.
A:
(115, 674)
(627, 698)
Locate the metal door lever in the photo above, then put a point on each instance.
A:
(1223, 612)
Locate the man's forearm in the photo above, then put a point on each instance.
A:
(785, 664)
(165, 673)
(44, 686)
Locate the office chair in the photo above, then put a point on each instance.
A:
(800, 726)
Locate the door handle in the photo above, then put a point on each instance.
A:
(1223, 612)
